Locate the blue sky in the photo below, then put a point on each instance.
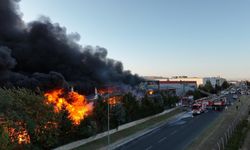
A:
(159, 37)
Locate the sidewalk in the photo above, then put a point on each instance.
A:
(121, 129)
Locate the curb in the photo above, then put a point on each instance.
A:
(78, 143)
(140, 134)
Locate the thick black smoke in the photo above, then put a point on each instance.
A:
(41, 53)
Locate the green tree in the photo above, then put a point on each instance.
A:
(217, 89)
(207, 87)
(4, 139)
(197, 94)
(225, 85)
(100, 116)
(117, 116)
(131, 107)
(169, 100)
(86, 128)
(146, 107)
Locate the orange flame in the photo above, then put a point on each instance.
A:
(74, 103)
(151, 92)
(23, 137)
(20, 134)
(108, 90)
(114, 100)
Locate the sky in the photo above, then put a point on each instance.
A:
(159, 37)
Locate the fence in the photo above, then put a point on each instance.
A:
(224, 138)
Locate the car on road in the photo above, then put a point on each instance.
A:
(235, 96)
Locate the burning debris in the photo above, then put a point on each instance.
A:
(76, 104)
(114, 100)
(21, 135)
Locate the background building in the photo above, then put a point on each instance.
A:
(180, 87)
(181, 84)
(199, 80)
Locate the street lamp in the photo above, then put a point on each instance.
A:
(108, 123)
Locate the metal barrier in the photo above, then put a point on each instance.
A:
(224, 139)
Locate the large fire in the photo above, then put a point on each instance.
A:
(20, 134)
(114, 100)
(76, 104)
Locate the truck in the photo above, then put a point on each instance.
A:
(198, 108)
(220, 104)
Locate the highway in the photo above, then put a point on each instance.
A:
(174, 135)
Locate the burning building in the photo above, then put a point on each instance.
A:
(76, 104)
(42, 56)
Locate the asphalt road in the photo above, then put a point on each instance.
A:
(175, 135)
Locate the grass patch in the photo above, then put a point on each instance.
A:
(238, 137)
(129, 131)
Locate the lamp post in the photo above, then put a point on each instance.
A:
(108, 123)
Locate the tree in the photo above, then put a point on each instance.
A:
(169, 100)
(207, 87)
(25, 110)
(225, 85)
(85, 129)
(4, 139)
(146, 107)
(117, 115)
(196, 94)
(131, 107)
(217, 88)
(100, 116)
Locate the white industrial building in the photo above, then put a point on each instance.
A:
(202, 81)
(180, 87)
(199, 80)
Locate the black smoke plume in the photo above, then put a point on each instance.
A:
(42, 54)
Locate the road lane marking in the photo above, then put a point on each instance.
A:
(150, 147)
(163, 139)
(173, 132)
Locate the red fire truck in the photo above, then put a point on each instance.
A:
(198, 108)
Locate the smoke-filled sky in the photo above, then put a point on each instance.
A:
(162, 37)
(41, 54)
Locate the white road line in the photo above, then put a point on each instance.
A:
(149, 148)
(173, 132)
(163, 139)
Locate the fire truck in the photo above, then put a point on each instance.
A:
(199, 107)
(219, 104)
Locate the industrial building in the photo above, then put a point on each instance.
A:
(180, 87)
(199, 80)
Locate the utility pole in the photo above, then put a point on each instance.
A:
(108, 122)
